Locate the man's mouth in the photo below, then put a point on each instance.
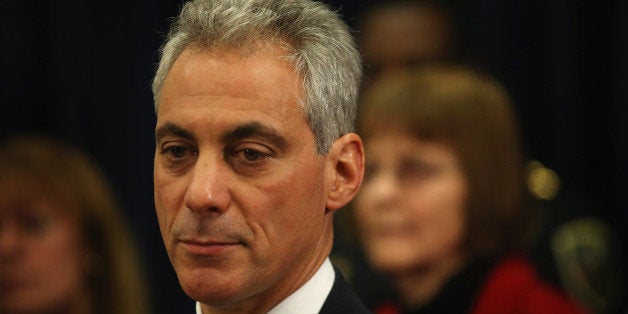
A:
(208, 248)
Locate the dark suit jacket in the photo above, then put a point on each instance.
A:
(342, 300)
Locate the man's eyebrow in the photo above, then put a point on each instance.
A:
(171, 129)
(255, 129)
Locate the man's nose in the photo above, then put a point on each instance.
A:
(208, 189)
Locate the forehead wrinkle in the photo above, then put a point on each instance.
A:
(224, 99)
(192, 59)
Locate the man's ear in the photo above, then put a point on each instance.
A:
(347, 170)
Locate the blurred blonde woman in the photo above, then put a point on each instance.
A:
(442, 213)
(64, 247)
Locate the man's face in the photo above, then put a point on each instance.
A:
(239, 189)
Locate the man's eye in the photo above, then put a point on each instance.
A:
(250, 158)
(177, 157)
(176, 151)
(252, 154)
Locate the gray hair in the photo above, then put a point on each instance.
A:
(320, 45)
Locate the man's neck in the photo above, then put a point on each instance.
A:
(311, 295)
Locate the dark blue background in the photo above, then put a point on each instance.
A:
(82, 70)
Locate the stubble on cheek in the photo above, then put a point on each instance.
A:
(168, 198)
(165, 217)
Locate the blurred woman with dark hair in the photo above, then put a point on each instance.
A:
(442, 212)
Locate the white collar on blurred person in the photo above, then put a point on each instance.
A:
(310, 296)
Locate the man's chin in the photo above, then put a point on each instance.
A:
(210, 286)
(217, 298)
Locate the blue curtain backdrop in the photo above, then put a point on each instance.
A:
(82, 69)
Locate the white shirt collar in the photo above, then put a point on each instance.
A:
(311, 296)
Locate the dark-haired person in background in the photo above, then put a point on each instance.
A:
(443, 213)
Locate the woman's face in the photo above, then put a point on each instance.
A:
(410, 211)
(41, 251)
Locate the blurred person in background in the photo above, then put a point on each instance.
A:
(443, 212)
(393, 35)
(576, 250)
(64, 247)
